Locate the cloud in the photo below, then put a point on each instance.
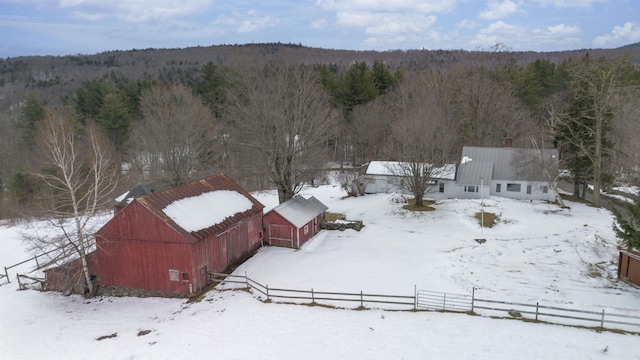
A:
(419, 6)
(258, 23)
(620, 35)
(133, 11)
(550, 37)
(568, 3)
(498, 10)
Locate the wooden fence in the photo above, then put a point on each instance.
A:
(361, 298)
(439, 301)
(62, 253)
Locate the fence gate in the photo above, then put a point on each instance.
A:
(432, 300)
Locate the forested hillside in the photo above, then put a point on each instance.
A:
(274, 115)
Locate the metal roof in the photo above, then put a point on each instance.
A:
(506, 163)
(299, 211)
(157, 201)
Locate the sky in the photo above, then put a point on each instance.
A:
(68, 27)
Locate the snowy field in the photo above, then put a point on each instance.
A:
(537, 253)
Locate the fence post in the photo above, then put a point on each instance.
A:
(313, 299)
(6, 274)
(537, 311)
(444, 302)
(602, 320)
(246, 280)
(19, 283)
(267, 286)
(361, 299)
(415, 297)
(473, 296)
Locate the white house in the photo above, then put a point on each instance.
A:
(515, 173)
(382, 177)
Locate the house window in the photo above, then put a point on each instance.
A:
(306, 229)
(441, 187)
(513, 187)
(498, 187)
(529, 189)
(174, 275)
(471, 188)
(545, 189)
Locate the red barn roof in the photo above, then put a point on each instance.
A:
(158, 202)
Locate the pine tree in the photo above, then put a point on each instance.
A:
(627, 226)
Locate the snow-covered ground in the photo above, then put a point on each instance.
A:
(537, 253)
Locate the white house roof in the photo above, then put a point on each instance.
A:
(299, 211)
(446, 172)
(506, 163)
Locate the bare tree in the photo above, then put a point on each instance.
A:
(78, 168)
(282, 118)
(487, 110)
(175, 141)
(415, 145)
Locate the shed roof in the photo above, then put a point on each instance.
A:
(204, 190)
(506, 163)
(446, 172)
(299, 211)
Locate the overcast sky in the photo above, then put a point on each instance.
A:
(61, 27)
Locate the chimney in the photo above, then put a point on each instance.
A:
(508, 142)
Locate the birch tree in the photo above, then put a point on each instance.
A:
(77, 167)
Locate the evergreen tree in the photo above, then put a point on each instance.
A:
(211, 88)
(32, 112)
(627, 226)
(114, 119)
(357, 87)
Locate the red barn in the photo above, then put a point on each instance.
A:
(169, 241)
(294, 221)
(629, 266)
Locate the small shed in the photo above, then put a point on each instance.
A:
(629, 266)
(293, 222)
(69, 276)
(170, 241)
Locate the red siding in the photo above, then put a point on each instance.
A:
(137, 249)
(277, 228)
(629, 266)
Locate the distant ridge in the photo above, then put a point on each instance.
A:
(631, 46)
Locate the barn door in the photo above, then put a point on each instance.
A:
(204, 277)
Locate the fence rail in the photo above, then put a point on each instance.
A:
(439, 301)
(313, 295)
(63, 252)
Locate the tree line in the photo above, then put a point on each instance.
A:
(280, 123)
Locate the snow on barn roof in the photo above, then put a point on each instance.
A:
(299, 210)
(207, 209)
(159, 201)
(445, 172)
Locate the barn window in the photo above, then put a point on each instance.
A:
(306, 229)
(471, 188)
(498, 187)
(513, 187)
(545, 189)
(174, 275)
(528, 189)
(185, 276)
(441, 189)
